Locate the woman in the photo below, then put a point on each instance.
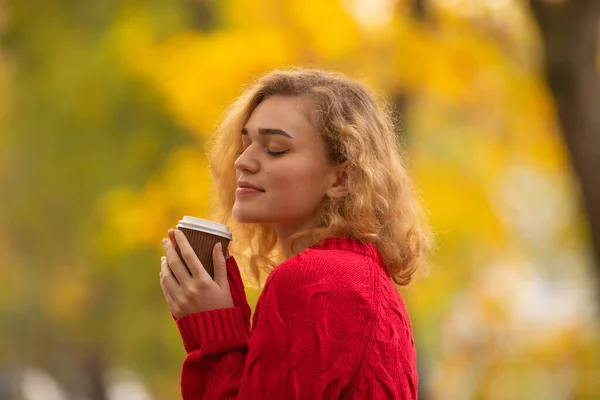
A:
(310, 180)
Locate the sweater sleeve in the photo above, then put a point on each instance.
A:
(215, 341)
(309, 340)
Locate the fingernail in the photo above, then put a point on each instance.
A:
(162, 259)
(164, 242)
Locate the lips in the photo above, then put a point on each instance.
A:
(248, 185)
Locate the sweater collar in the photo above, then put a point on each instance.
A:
(350, 244)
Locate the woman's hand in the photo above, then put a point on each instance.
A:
(188, 294)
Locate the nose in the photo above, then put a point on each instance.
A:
(247, 162)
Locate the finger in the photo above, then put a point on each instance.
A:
(165, 291)
(175, 263)
(220, 269)
(169, 286)
(167, 280)
(171, 303)
(190, 257)
(171, 234)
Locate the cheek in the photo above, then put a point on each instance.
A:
(300, 186)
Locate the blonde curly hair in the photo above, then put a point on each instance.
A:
(380, 207)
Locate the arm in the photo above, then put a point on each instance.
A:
(198, 302)
(212, 333)
(309, 341)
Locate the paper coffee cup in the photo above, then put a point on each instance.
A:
(203, 235)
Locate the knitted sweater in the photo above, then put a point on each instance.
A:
(329, 324)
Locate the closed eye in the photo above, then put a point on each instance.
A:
(276, 153)
(267, 150)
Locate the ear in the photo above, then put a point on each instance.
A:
(338, 185)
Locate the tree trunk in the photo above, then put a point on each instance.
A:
(570, 31)
(94, 371)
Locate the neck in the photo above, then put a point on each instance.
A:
(284, 233)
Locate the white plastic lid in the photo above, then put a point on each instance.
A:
(204, 226)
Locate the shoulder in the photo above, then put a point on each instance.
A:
(314, 263)
(315, 287)
(332, 271)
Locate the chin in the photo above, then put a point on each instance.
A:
(245, 217)
(245, 220)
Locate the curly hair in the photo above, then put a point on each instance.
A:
(381, 206)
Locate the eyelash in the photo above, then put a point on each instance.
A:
(275, 153)
(269, 152)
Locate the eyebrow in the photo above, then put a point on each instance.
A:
(268, 131)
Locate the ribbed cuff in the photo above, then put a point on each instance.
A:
(213, 331)
(237, 290)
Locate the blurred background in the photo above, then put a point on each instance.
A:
(105, 107)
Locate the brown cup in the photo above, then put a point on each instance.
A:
(203, 235)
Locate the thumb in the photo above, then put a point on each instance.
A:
(220, 268)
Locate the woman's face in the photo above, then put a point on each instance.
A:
(285, 158)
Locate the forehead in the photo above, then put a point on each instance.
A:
(291, 114)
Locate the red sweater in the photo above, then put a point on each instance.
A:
(329, 324)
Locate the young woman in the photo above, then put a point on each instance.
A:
(311, 182)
